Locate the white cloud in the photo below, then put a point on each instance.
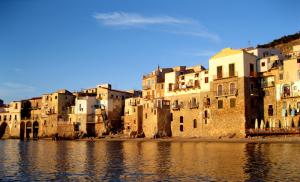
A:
(182, 26)
(133, 19)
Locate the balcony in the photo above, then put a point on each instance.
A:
(265, 84)
(194, 105)
(176, 106)
(146, 87)
(225, 75)
(133, 103)
(226, 92)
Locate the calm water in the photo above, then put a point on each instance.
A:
(148, 161)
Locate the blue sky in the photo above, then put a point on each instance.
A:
(46, 45)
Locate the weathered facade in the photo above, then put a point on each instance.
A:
(245, 92)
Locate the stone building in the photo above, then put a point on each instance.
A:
(55, 110)
(156, 118)
(187, 89)
(153, 83)
(111, 108)
(234, 92)
(10, 118)
(82, 114)
(133, 117)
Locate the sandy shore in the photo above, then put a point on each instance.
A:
(287, 139)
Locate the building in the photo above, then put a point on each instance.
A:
(187, 89)
(111, 107)
(157, 118)
(234, 92)
(133, 117)
(82, 114)
(153, 83)
(10, 118)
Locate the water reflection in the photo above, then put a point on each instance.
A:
(147, 161)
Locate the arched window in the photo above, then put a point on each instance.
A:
(195, 123)
(232, 88)
(181, 119)
(220, 90)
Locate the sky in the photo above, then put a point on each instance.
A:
(46, 45)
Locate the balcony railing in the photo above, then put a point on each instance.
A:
(176, 106)
(225, 75)
(146, 87)
(267, 84)
(193, 105)
(226, 92)
(132, 103)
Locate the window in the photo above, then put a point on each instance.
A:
(195, 123)
(270, 110)
(219, 72)
(252, 70)
(170, 86)
(232, 89)
(146, 116)
(56, 97)
(281, 76)
(263, 64)
(220, 90)
(182, 77)
(206, 79)
(196, 75)
(220, 104)
(16, 106)
(133, 109)
(266, 53)
(232, 102)
(208, 101)
(15, 117)
(205, 114)
(196, 83)
(162, 86)
(231, 70)
(155, 112)
(181, 119)
(9, 117)
(111, 96)
(123, 97)
(181, 128)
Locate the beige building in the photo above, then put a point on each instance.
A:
(133, 117)
(234, 92)
(111, 108)
(156, 118)
(10, 118)
(188, 92)
(153, 83)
